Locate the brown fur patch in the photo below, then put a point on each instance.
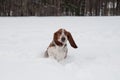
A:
(57, 36)
(71, 41)
(51, 45)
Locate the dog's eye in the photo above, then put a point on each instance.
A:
(59, 33)
(65, 33)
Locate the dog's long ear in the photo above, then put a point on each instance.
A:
(55, 38)
(71, 41)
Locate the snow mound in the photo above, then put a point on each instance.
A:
(24, 40)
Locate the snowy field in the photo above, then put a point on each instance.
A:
(24, 40)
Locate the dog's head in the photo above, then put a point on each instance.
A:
(61, 36)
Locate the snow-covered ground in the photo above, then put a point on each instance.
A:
(24, 40)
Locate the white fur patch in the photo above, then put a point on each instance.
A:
(58, 53)
(63, 35)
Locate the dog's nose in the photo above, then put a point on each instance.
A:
(63, 39)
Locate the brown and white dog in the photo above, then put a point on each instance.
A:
(58, 47)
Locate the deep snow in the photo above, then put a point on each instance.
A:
(23, 40)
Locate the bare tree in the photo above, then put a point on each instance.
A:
(59, 7)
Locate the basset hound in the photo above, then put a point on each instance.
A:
(58, 47)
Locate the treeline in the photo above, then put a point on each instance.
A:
(59, 7)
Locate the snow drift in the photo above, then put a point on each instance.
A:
(24, 39)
